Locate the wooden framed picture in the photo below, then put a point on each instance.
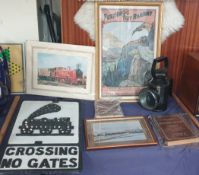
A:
(127, 41)
(118, 132)
(60, 70)
(15, 65)
(175, 129)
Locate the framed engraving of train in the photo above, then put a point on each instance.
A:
(127, 41)
(60, 70)
(43, 136)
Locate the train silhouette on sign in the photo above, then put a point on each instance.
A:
(45, 126)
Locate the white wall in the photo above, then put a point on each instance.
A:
(18, 21)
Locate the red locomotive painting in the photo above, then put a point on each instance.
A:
(62, 76)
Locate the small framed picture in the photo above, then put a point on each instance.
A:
(118, 132)
(15, 65)
(60, 70)
(127, 41)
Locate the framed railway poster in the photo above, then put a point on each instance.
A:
(127, 41)
(60, 70)
(43, 136)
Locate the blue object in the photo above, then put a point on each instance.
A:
(152, 160)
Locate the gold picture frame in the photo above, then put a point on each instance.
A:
(127, 41)
(118, 132)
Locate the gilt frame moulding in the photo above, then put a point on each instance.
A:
(127, 41)
(109, 133)
(60, 70)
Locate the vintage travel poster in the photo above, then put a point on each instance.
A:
(127, 46)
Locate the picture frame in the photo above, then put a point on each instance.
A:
(60, 70)
(127, 41)
(118, 132)
(15, 66)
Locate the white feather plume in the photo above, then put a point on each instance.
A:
(173, 20)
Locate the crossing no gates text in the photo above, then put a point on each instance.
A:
(40, 157)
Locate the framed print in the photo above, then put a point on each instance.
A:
(128, 39)
(60, 70)
(117, 132)
(15, 65)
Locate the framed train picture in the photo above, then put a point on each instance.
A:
(41, 135)
(60, 70)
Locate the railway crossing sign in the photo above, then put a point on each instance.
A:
(43, 136)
